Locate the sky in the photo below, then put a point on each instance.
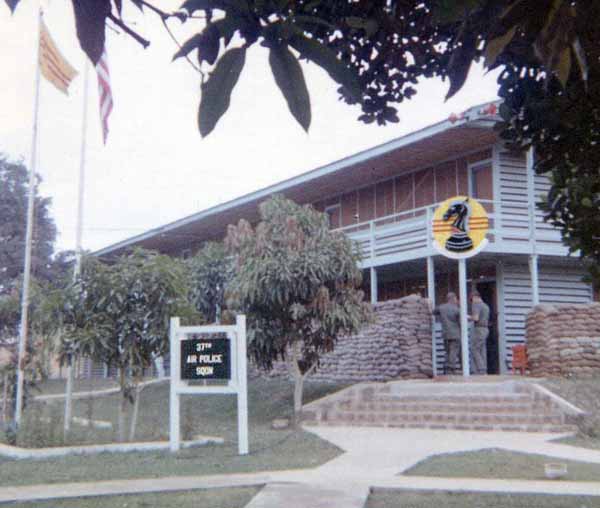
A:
(155, 167)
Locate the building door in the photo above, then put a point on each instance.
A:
(487, 290)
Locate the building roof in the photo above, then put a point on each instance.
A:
(467, 132)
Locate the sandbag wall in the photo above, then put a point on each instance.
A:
(395, 345)
(564, 340)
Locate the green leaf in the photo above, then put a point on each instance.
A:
(452, 11)
(12, 4)
(190, 45)
(290, 80)
(196, 5)
(227, 27)
(563, 67)
(209, 45)
(460, 62)
(325, 58)
(494, 47)
(138, 4)
(581, 59)
(306, 20)
(369, 25)
(216, 91)
(90, 19)
(355, 22)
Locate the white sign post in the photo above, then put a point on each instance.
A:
(459, 228)
(227, 352)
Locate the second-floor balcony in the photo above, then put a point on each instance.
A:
(514, 228)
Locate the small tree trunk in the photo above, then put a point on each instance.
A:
(136, 407)
(68, 398)
(298, 390)
(299, 379)
(5, 398)
(122, 405)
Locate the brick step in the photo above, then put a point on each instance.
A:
(443, 418)
(518, 398)
(453, 426)
(450, 407)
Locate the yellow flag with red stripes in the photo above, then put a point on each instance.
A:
(53, 65)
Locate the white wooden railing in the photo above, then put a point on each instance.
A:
(514, 228)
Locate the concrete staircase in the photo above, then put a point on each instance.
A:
(506, 405)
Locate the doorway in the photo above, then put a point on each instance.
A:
(487, 290)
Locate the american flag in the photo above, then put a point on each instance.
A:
(106, 101)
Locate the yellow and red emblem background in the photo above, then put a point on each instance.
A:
(478, 226)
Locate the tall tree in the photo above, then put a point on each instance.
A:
(119, 314)
(13, 210)
(297, 281)
(211, 270)
(45, 326)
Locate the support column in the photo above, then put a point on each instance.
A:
(535, 283)
(464, 330)
(531, 198)
(431, 296)
(174, 402)
(373, 285)
(242, 394)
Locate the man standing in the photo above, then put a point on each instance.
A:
(480, 317)
(449, 314)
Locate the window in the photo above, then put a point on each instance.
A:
(481, 181)
(334, 214)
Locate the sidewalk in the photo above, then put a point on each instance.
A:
(112, 487)
(374, 458)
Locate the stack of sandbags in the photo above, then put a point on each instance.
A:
(564, 340)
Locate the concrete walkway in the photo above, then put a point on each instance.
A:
(112, 487)
(374, 457)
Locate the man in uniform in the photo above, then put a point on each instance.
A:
(480, 315)
(449, 314)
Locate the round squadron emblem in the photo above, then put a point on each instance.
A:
(460, 225)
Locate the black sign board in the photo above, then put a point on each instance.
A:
(206, 358)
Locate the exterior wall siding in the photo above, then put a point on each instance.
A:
(405, 192)
(516, 209)
(513, 196)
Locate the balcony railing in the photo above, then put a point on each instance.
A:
(514, 227)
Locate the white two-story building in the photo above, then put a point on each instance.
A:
(384, 199)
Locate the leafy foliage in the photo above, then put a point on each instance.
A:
(119, 314)
(290, 80)
(14, 183)
(560, 118)
(297, 282)
(216, 92)
(44, 328)
(211, 271)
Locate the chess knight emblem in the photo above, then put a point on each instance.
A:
(460, 225)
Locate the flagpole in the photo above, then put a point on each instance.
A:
(79, 231)
(28, 240)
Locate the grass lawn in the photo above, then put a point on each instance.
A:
(209, 415)
(496, 463)
(585, 394)
(384, 498)
(213, 498)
